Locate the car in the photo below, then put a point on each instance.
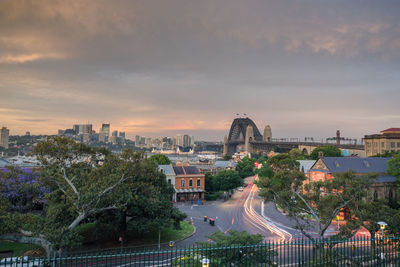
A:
(240, 188)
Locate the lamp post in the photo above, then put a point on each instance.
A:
(382, 225)
(337, 219)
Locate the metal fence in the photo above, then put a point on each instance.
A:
(322, 252)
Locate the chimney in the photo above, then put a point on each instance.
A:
(338, 137)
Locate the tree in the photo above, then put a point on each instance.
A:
(368, 213)
(328, 151)
(322, 200)
(208, 182)
(21, 187)
(296, 154)
(393, 168)
(88, 182)
(282, 162)
(245, 167)
(160, 159)
(245, 252)
(226, 180)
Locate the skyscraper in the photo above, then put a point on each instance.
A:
(82, 128)
(4, 133)
(105, 130)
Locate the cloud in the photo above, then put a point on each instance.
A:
(28, 58)
(181, 65)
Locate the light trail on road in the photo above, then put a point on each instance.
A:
(246, 202)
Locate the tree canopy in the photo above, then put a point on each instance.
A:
(328, 151)
(245, 167)
(393, 168)
(90, 183)
(321, 200)
(226, 180)
(160, 159)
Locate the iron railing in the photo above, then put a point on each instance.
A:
(301, 252)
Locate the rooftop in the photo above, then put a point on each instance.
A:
(359, 165)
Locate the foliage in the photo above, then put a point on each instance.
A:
(322, 200)
(296, 154)
(208, 182)
(22, 187)
(265, 171)
(89, 184)
(283, 162)
(368, 213)
(226, 180)
(245, 167)
(160, 159)
(385, 154)
(328, 151)
(213, 196)
(227, 157)
(247, 252)
(393, 168)
(86, 231)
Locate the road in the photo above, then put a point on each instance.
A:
(245, 211)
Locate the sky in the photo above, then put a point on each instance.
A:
(158, 68)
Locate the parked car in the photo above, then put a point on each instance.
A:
(240, 188)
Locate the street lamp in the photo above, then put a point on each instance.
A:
(205, 262)
(382, 225)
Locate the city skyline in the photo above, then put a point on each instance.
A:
(157, 68)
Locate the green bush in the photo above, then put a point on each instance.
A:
(213, 196)
(86, 231)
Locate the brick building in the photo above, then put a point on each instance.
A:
(384, 186)
(189, 183)
(387, 140)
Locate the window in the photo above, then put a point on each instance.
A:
(190, 183)
(392, 144)
(198, 182)
(368, 144)
(383, 144)
(169, 181)
(183, 183)
(375, 195)
(398, 144)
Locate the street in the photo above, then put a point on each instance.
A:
(244, 211)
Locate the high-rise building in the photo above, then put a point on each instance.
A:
(122, 134)
(115, 133)
(4, 134)
(27, 133)
(82, 128)
(105, 128)
(137, 140)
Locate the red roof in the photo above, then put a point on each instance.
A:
(391, 130)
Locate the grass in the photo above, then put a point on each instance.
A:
(169, 234)
(18, 248)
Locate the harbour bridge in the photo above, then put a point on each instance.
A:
(245, 136)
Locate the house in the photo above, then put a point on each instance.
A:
(384, 186)
(189, 183)
(170, 175)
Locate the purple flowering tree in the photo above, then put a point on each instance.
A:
(22, 188)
